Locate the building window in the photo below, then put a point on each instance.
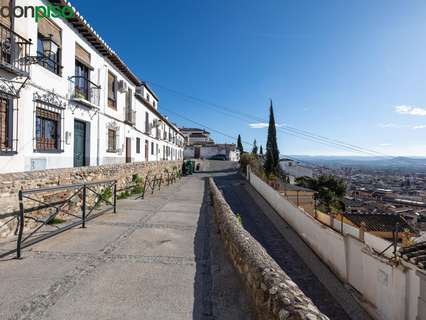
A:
(112, 91)
(48, 130)
(49, 42)
(153, 103)
(152, 148)
(81, 80)
(112, 140)
(146, 123)
(138, 145)
(6, 124)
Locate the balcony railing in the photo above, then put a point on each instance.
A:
(130, 116)
(14, 51)
(83, 90)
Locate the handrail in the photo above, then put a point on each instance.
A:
(79, 203)
(26, 41)
(14, 50)
(66, 186)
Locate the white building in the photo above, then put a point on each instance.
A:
(67, 99)
(294, 170)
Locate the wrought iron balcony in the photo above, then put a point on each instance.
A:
(130, 116)
(14, 51)
(84, 91)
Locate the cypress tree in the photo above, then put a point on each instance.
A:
(254, 150)
(272, 154)
(240, 145)
(261, 151)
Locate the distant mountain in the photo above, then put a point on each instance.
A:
(365, 161)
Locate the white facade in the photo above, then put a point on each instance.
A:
(50, 126)
(210, 150)
(294, 170)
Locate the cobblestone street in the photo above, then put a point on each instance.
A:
(289, 251)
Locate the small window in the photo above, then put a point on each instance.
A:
(47, 130)
(112, 140)
(138, 145)
(112, 90)
(6, 124)
(153, 103)
(146, 122)
(152, 148)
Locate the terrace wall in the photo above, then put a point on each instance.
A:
(390, 290)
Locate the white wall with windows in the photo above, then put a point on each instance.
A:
(77, 105)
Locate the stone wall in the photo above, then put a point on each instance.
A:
(274, 294)
(11, 183)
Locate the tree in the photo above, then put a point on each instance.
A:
(261, 151)
(254, 150)
(272, 154)
(240, 145)
(330, 190)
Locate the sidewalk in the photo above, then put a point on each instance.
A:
(151, 260)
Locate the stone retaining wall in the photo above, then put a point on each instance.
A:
(11, 183)
(274, 294)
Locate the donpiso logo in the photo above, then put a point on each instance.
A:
(37, 12)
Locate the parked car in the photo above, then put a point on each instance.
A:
(218, 157)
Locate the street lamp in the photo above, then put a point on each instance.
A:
(50, 47)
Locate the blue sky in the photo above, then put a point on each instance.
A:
(348, 70)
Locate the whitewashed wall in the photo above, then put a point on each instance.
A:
(43, 81)
(392, 291)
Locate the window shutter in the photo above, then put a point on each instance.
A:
(82, 55)
(47, 28)
(110, 84)
(129, 100)
(117, 140)
(6, 21)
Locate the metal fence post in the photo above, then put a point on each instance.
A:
(21, 224)
(83, 208)
(395, 238)
(115, 196)
(297, 197)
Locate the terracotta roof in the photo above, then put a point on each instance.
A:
(378, 221)
(87, 31)
(415, 254)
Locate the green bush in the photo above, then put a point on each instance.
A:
(106, 194)
(123, 195)
(56, 221)
(240, 220)
(138, 189)
(252, 160)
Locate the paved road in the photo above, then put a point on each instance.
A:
(155, 259)
(289, 251)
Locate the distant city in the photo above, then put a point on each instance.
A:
(375, 185)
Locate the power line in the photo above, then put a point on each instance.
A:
(226, 134)
(292, 131)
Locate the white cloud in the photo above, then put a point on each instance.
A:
(385, 144)
(261, 125)
(389, 125)
(422, 126)
(410, 110)
(258, 125)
